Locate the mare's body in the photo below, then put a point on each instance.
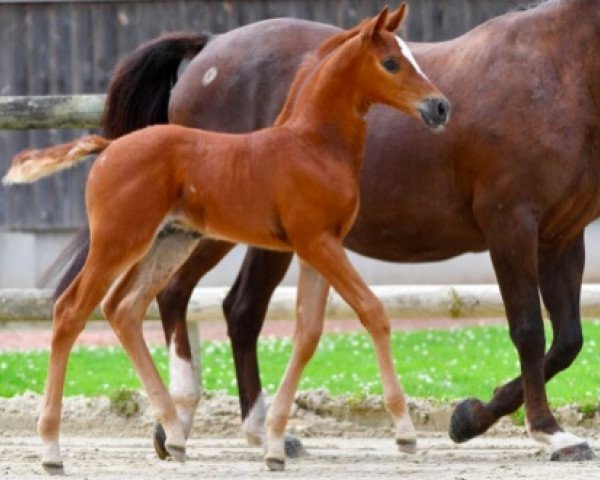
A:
(516, 173)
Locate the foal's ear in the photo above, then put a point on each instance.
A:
(396, 18)
(375, 25)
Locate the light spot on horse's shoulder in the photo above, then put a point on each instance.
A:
(209, 76)
(101, 158)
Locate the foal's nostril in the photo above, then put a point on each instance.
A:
(435, 111)
(442, 110)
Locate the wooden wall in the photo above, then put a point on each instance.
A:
(72, 46)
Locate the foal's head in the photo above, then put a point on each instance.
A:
(390, 75)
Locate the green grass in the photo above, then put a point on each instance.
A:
(444, 365)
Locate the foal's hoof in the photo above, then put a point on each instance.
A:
(159, 439)
(461, 423)
(574, 453)
(54, 467)
(407, 445)
(176, 451)
(293, 447)
(275, 464)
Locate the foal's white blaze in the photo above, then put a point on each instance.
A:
(183, 387)
(254, 423)
(409, 56)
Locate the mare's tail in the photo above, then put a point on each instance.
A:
(140, 89)
(138, 96)
(31, 165)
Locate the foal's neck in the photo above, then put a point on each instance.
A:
(331, 105)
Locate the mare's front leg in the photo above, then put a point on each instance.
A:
(560, 276)
(327, 256)
(513, 243)
(172, 303)
(245, 307)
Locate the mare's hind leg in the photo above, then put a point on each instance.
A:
(560, 278)
(310, 309)
(70, 314)
(172, 303)
(125, 307)
(327, 256)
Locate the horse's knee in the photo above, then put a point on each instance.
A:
(305, 343)
(244, 318)
(566, 347)
(67, 320)
(372, 316)
(528, 338)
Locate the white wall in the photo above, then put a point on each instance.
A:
(25, 256)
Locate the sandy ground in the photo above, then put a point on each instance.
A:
(344, 440)
(336, 458)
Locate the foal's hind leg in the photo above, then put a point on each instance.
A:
(70, 314)
(125, 308)
(310, 308)
(560, 277)
(172, 303)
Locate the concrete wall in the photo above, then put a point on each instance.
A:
(25, 256)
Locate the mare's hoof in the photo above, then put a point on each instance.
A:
(293, 447)
(176, 451)
(407, 446)
(461, 423)
(54, 468)
(574, 453)
(159, 439)
(275, 464)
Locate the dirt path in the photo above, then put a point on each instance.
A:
(34, 336)
(344, 442)
(332, 458)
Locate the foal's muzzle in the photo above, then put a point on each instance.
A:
(435, 112)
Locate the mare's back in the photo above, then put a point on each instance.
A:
(239, 81)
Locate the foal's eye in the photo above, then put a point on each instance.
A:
(391, 65)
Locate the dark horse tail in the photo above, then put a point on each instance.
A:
(138, 96)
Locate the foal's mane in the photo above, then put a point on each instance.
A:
(310, 62)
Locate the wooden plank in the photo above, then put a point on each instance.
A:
(53, 111)
(410, 301)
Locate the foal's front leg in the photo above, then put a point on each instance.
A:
(310, 309)
(329, 258)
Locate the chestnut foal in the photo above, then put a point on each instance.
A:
(293, 187)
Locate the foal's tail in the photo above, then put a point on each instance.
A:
(31, 165)
(140, 89)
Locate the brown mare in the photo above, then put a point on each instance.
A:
(292, 187)
(516, 173)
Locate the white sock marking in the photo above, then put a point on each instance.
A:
(183, 387)
(558, 440)
(254, 423)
